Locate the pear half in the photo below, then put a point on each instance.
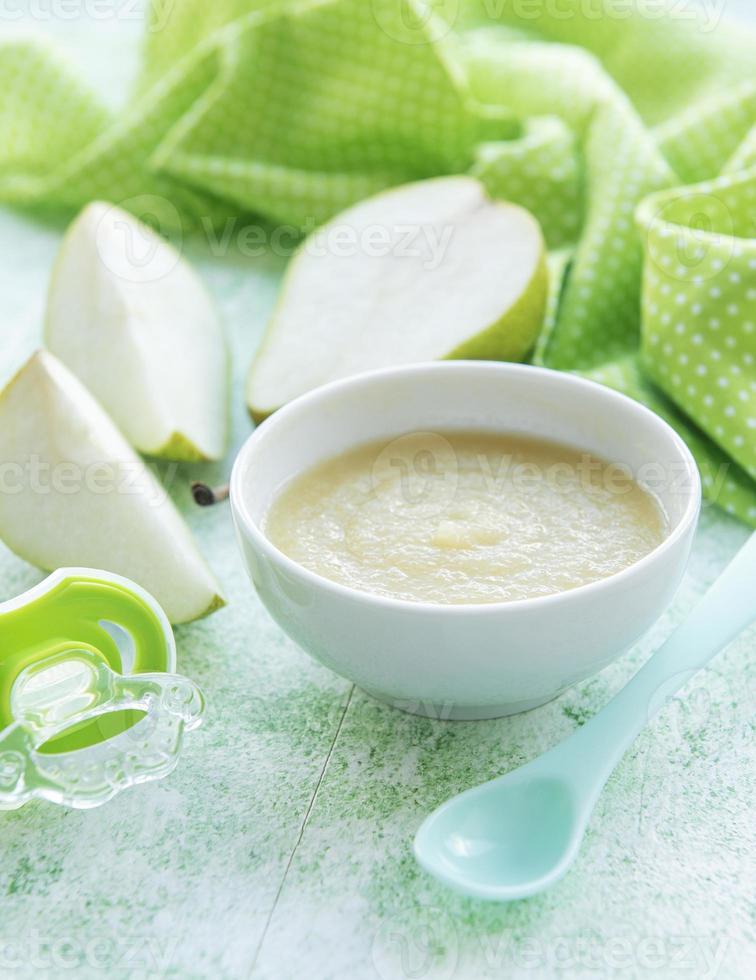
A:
(131, 319)
(75, 493)
(429, 270)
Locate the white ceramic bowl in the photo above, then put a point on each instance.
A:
(465, 661)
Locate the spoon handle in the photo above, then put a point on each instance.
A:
(727, 608)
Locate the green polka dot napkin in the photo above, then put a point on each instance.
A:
(627, 128)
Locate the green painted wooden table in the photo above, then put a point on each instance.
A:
(281, 847)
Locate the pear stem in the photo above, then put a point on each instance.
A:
(207, 496)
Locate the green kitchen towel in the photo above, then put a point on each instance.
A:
(629, 130)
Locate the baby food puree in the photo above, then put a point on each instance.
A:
(465, 517)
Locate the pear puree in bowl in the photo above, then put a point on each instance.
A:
(465, 517)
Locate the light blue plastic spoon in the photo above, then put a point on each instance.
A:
(517, 835)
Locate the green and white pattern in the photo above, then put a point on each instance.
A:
(630, 135)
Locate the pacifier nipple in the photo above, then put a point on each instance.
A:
(48, 695)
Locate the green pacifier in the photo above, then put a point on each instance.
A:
(89, 701)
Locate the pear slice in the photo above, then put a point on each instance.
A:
(73, 492)
(424, 271)
(134, 323)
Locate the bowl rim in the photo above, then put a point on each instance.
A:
(309, 400)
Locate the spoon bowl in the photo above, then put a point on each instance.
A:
(508, 839)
